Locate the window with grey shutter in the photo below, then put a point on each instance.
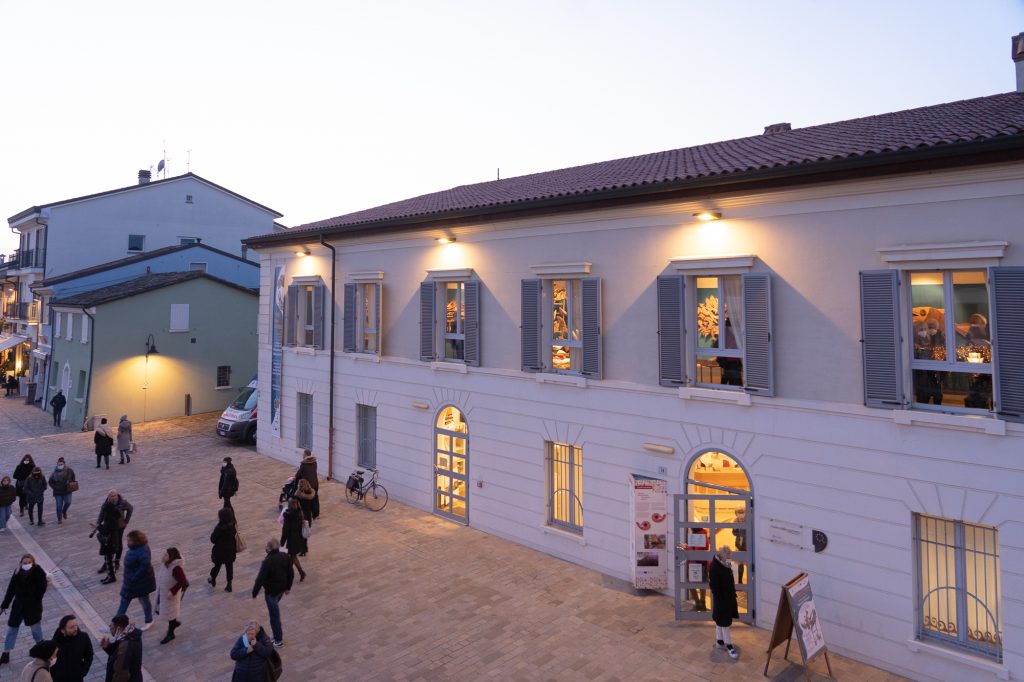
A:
(880, 329)
(348, 334)
(671, 308)
(1008, 341)
(427, 315)
(304, 421)
(471, 314)
(591, 298)
(318, 316)
(531, 327)
(291, 315)
(366, 418)
(757, 334)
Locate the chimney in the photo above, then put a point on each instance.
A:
(144, 176)
(1017, 52)
(777, 128)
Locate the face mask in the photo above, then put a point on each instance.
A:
(26, 567)
(26, 462)
(53, 661)
(60, 467)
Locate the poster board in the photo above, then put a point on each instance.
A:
(276, 345)
(797, 613)
(649, 539)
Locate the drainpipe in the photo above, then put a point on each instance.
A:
(330, 381)
(92, 349)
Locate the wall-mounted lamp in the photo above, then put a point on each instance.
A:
(658, 448)
(708, 215)
(420, 405)
(302, 252)
(151, 346)
(446, 240)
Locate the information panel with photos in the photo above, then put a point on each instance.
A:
(649, 516)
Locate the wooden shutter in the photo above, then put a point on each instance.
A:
(671, 315)
(530, 331)
(590, 290)
(291, 314)
(880, 329)
(757, 334)
(1007, 331)
(318, 316)
(471, 323)
(348, 333)
(427, 315)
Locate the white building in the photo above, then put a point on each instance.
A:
(73, 234)
(839, 349)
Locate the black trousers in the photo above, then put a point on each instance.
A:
(103, 457)
(229, 570)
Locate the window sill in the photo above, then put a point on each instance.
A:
(222, 388)
(999, 671)
(989, 425)
(457, 367)
(302, 350)
(365, 357)
(715, 395)
(561, 379)
(558, 532)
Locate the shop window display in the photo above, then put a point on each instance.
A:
(566, 325)
(451, 468)
(719, 325)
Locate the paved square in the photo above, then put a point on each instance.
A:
(395, 595)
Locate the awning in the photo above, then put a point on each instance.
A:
(11, 342)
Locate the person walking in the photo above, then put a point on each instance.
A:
(38, 669)
(74, 652)
(252, 654)
(104, 441)
(58, 402)
(139, 578)
(225, 547)
(124, 651)
(305, 495)
(228, 485)
(171, 586)
(63, 483)
(22, 472)
(115, 515)
(293, 534)
(723, 599)
(275, 579)
(35, 493)
(124, 439)
(24, 598)
(307, 470)
(8, 493)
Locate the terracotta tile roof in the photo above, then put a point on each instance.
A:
(954, 123)
(139, 285)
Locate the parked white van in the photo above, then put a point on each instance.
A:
(238, 422)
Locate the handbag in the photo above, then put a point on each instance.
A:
(72, 486)
(240, 545)
(274, 666)
(307, 530)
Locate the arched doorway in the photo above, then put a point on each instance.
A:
(451, 465)
(715, 510)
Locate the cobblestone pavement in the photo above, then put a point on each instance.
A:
(395, 595)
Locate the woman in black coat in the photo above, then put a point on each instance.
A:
(25, 599)
(252, 654)
(291, 534)
(225, 547)
(723, 598)
(22, 472)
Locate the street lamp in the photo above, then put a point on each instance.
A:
(151, 346)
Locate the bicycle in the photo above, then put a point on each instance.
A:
(371, 492)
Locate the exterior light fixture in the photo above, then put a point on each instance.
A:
(707, 216)
(151, 346)
(302, 252)
(446, 240)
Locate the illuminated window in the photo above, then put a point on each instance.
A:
(958, 584)
(719, 325)
(304, 313)
(454, 316)
(566, 325)
(565, 486)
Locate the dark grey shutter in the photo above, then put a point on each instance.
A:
(348, 333)
(291, 314)
(318, 316)
(880, 329)
(530, 331)
(757, 334)
(427, 314)
(1007, 330)
(590, 290)
(471, 323)
(671, 309)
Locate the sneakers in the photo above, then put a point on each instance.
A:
(146, 626)
(278, 643)
(733, 654)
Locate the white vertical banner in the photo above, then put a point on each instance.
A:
(649, 523)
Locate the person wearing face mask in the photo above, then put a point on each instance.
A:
(124, 651)
(139, 577)
(61, 481)
(74, 652)
(252, 654)
(124, 439)
(172, 585)
(103, 439)
(43, 654)
(115, 515)
(21, 472)
(8, 493)
(723, 599)
(35, 493)
(228, 484)
(24, 598)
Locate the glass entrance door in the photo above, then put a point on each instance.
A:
(451, 465)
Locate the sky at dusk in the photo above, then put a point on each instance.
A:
(317, 109)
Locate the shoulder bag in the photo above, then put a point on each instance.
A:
(240, 545)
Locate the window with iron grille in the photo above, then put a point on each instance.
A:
(565, 486)
(958, 585)
(366, 427)
(304, 421)
(223, 376)
(136, 242)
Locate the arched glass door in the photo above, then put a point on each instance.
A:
(715, 510)
(451, 465)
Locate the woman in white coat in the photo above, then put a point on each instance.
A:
(170, 586)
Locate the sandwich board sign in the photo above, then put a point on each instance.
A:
(797, 613)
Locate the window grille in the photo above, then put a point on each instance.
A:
(366, 424)
(565, 486)
(223, 376)
(304, 422)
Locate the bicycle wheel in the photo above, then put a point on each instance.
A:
(351, 495)
(376, 498)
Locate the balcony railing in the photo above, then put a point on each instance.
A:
(29, 258)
